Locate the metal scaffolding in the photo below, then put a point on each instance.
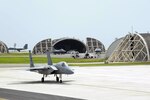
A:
(93, 44)
(42, 46)
(131, 49)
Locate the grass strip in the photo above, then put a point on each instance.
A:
(25, 60)
(112, 64)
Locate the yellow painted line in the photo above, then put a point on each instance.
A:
(3, 99)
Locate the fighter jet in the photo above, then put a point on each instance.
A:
(49, 69)
(60, 51)
(19, 49)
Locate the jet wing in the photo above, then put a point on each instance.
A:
(52, 68)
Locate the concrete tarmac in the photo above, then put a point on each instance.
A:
(92, 83)
(7, 94)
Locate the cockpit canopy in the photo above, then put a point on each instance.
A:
(63, 64)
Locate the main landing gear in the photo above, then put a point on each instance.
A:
(59, 79)
(42, 79)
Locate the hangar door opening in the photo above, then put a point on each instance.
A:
(70, 44)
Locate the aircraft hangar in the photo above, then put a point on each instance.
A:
(92, 44)
(132, 48)
(3, 47)
(68, 44)
(112, 47)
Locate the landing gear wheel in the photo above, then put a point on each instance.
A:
(60, 81)
(57, 79)
(42, 79)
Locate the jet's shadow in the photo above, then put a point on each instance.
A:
(45, 82)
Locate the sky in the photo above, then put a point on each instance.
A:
(30, 21)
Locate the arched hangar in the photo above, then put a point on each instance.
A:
(112, 47)
(132, 48)
(93, 44)
(67, 44)
(42, 46)
(3, 47)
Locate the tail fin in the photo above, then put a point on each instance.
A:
(25, 46)
(49, 60)
(31, 61)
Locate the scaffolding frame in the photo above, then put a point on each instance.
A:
(132, 48)
(43, 46)
(93, 44)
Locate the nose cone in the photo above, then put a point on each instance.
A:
(70, 71)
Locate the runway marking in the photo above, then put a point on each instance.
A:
(115, 88)
(15, 78)
(88, 85)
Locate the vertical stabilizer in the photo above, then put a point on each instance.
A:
(25, 46)
(31, 61)
(49, 60)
